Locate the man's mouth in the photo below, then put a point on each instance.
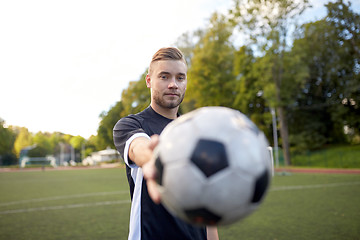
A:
(171, 94)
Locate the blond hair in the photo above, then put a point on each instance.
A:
(168, 53)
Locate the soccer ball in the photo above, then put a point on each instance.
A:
(213, 166)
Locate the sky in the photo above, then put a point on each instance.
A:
(62, 63)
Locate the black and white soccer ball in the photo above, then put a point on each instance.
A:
(213, 166)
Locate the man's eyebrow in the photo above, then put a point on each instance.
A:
(163, 72)
(168, 73)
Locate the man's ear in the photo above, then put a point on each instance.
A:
(148, 81)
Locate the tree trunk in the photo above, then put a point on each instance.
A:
(284, 132)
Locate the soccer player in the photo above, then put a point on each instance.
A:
(136, 136)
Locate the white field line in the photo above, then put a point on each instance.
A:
(80, 205)
(300, 187)
(63, 197)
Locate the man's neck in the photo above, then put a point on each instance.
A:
(170, 113)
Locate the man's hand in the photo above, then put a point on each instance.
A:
(141, 150)
(141, 153)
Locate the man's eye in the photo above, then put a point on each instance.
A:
(163, 76)
(181, 78)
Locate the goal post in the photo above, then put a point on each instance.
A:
(271, 159)
(49, 160)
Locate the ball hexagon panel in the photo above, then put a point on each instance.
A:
(245, 154)
(185, 183)
(227, 190)
(209, 156)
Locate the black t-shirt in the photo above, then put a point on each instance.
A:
(148, 221)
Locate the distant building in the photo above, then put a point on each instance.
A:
(106, 155)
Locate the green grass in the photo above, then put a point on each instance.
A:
(323, 212)
(94, 204)
(334, 157)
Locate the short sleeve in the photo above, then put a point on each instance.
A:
(124, 132)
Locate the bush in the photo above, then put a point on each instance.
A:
(8, 159)
(331, 157)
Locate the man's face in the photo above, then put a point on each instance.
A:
(167, 81)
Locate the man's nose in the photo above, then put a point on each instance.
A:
(173, 83)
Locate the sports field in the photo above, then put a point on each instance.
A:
(94, 204)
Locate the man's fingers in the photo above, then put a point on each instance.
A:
(154, 140)
(150, 175)
(153, 191)
(149, 170)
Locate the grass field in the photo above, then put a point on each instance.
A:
(94, 204)
(332, 157)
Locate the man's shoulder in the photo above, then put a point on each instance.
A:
(133, 119)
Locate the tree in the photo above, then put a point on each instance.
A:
(345, 74)
(55, 139)
(210, 77)
(92, 145)
(23, 139)
(268, 22)
(7, 139)
(329, 99)
(77, 142)
(249, 88)
(187, 43)
(136, 97)
(107, 123)
(43, 145)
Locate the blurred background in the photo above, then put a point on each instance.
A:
(70, 70)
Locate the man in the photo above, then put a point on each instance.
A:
(135, 137)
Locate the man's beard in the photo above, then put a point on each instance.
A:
(162, 102)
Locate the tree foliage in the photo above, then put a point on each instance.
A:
(211, 74)
(43, 144)
(134, 99)
(24, 139)
(7, 139)
(248, 86)
(345, 71)
(106, 125)
(267, 23)
(329, 99)
(187, 43)
(312, 78)
(312, 82)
